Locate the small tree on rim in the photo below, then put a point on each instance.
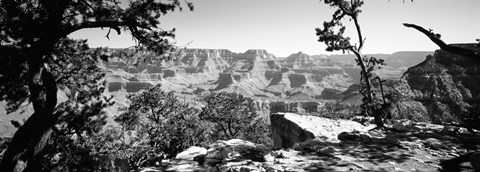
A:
(332, 34)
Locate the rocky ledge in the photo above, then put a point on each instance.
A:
(413, 146)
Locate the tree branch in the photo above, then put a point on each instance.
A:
(359, 33)
(98, 24)
(435, 38)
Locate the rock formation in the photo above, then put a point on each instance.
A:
(289, 128)
(446, 85)
(255, 73)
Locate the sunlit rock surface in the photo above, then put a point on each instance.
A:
(290, 128)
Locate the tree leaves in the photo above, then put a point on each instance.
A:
(332, 34)
(163, 124)
(38, 58)
(234, 117)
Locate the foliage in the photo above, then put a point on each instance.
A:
(332, 34)
(161, 122)
(234, 116)
(70, 147)
(259, 131)
(157, 125)
(332, 107)
(30, 32)
(81, 116)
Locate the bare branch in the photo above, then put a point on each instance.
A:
(359, 33)
(108, 34)
(110, 24)
(435, 38)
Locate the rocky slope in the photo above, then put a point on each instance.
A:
(444, 88)
(337, 145)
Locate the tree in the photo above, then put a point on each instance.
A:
(30, 31)
(234, 116)
(336, 41)
(161, 122)
(229, 112)
(81, 114)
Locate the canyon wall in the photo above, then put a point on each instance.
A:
(443, 89)
(297, 83)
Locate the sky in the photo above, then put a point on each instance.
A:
(284, 27)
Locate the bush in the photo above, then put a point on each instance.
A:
(234, 116)
(160, 124)
(156, 125)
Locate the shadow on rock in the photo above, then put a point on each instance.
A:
(343, 156)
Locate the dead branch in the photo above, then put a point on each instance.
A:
(472, 54)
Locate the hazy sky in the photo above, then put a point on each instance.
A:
(283, 27)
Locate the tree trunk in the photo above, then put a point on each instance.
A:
(368, 85)
(31, 138)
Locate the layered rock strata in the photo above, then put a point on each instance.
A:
(442, 89)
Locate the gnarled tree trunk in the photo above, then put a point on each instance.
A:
(30, 139)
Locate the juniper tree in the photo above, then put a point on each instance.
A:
(162, 123)
(29, 33)
(234, 116)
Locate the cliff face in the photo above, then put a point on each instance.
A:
(254, 73)
(400, 59)
(447, 86)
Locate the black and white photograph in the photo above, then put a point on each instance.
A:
(239, 85)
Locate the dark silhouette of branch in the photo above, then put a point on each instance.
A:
(110, 24)
(472, 54)
(380, 81)
(359, 32)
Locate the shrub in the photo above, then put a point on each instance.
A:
(160, 123)
(234, 116)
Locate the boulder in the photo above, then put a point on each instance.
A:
(181, 165)
(287, 132)
(218, 154)
(191, 153)
(290, 128)
(354, 136)
(316, 146)
(235, 149)
(434, 144)
(402, 125)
